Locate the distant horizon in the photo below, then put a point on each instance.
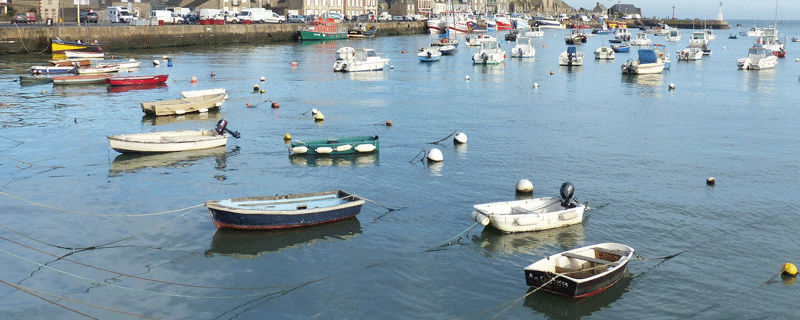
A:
(704, 9)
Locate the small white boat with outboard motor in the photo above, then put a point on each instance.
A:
(532, 214)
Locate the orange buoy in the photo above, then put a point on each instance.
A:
(388, 123)
(194, 79)
(275, 105)
(542, 46)
(404, 51)
(552, 73)
(212, 73)
(249, 105)
(294, 63)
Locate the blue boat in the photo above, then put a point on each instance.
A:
(621, 48)
(284, 211)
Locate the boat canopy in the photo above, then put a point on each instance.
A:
(572, 49)
(647, 56)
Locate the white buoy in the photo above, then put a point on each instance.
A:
(711, 181)
(460, 138)
(131, 60)
(164, 57)
(263, 79)
(155, 62)
(535, 84)
(314, 111)
(391, 67)
(318, 116)
(435, 155)
(672, 86)
(466, 78)
(524, 186)
(796, 60)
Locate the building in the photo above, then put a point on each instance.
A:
(599, 8)
(624, 9)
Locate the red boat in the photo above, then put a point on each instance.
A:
(137, 80)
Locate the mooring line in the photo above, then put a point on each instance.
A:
(31, 290)
(102, 283)
(62, 306)
(455, 238)
(692, 315)
(31, 164)
(445, 138)
(97, 214)
(383, 205)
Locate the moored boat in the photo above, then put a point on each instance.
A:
(83, 55)
(59, 47)
(71, 62)
(284, 211)
(32, 80)
(131, 64)
(183, 105)
(52, 69)
(604, 53)
(448, 50)
(478, 39)
(137, 80)
(580, 272)
(172, 141)
(571, 57)
(82, 79)
(758, 58)
(641, 40)
(536, 32)
(321, 30)
(649, 62)
(362, 31)
(490, 53)
(349, 59)
(336, 146)
(430, 54)
(532, 214)
(624, 47)
(205, 92)
(96, 70)
(523, 48)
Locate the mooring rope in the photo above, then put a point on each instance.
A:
(31, 164)
(31, 290)
(455, 238)
(98, 214)
(62, 306)
(693, 314)
(422, 152)
(445, 138)
(383, 205)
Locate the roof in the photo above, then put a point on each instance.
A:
(625, 8)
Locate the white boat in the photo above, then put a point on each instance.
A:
(131, 64)
(52, 69)
(575, 36)
(356, 60)
(84, 55)
(673, 36)
(429, 54)
(621, 35)
(181, 106)
(710, 34)
(172, 141)
(523, 48)
(536, 32)
(448, 50)
(548, 24)
(580, 272)
(604, 53)
(640, 40)
(478, 39)
(571, 57)
(648, 62)
(699, 38)
(752, 32)
(97, 70)
(532, 214)
(490, 53)
(661, 51)
(435, 25)
(206, 92)
(769, 40)
(758, 58)
(520, 23)
(690, 54)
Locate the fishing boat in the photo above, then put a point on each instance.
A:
(571, 57)
(490, 53)
(52, 69)
(446, 40)
(478, 39)
(58, 47)
(621, 35)
(349, 59)
(362, 31)
(758, 58)
(183, 105)
(172, 141)
(336, 146)
(532, 214)
(284, 211)
(673, 36)
(769, 40)
(604, 53)
(710, 34)
(83, 55)
(536, 32)
(523, 48)
(137, 80)
(580, 272)
(621, 48)
(435, 25)
(82, 79)
(641, 40)
(96, 70)
(690, 54)
(321, 30)
(511, 35)
(649, 62)
(71, 62)
(430, 54)
(548, 24)
(575, 36)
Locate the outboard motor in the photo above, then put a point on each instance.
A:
(222, 127)
(567, 192)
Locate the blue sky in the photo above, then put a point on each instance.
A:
(706, 9)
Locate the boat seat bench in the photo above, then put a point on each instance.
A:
(585, 258)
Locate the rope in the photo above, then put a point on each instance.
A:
(638, 257)
(445, 138)
(260, 103)
(30, 164)
(102, 283)
(30, 291)
(383, 205)
(423, 152)
(97, 214)
(691, 315)
(52, 302)
(455, 238)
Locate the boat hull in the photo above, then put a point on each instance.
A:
(172, 141)
(183, 105)
(337, 146)
(566, 275)
(82, 79)
(289, 211)
(528, 215)
(138, 80)
(59, 47)
(321, 36)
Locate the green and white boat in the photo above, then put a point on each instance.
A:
(335, 146)
(321, 30)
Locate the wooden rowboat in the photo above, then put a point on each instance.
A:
(197, 93)
(71, 62)
(137, 80)
(83, 55)
(580, 272)
(60, 47)
(183, 105)
(532, 214)
(52, 69)
(104, 69)
(284, 211)
(172, 141)
(82, 79)
(336, 146)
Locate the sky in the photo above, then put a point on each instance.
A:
(705, 9)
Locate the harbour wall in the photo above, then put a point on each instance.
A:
(18, 40)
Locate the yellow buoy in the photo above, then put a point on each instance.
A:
(287, 137)
(262, 90)
(789, 269)
(318, 116)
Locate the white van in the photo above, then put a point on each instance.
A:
(208, 14)
(260, 15)
(118, 14)
(166, 16)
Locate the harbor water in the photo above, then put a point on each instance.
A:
(113, 236)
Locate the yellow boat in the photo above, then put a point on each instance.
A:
(58, 47)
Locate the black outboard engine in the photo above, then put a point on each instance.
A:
(222, 127)
(567, 192)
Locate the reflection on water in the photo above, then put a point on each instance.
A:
(75, 90)
(359, 160)
(131, 162)
(118, 89)
(461, 149)
(249, 244)
(493, 240)
(761, 81)
(213, 114)
(648, 85)
(556, 306)
(367, 76)
(436, 168)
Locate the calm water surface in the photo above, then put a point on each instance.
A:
(636, 151)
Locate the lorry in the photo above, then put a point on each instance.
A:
(210, 14)
(260, 15)
(119, 14)
(166, 16)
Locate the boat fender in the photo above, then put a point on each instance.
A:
(365, 147)
(480, 217)
(180, 111)
(527, 221)
(343, 148)
(569, 215)
(204, 110)
(218, 104)
(299, 150)
(323, 150)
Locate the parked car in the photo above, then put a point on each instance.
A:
(19, 18)
(296, 19)
(89, 17)
(311, 17)
(190, 19)
(231, 17)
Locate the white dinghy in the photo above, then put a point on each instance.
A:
(172, 141)
(532, 214)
